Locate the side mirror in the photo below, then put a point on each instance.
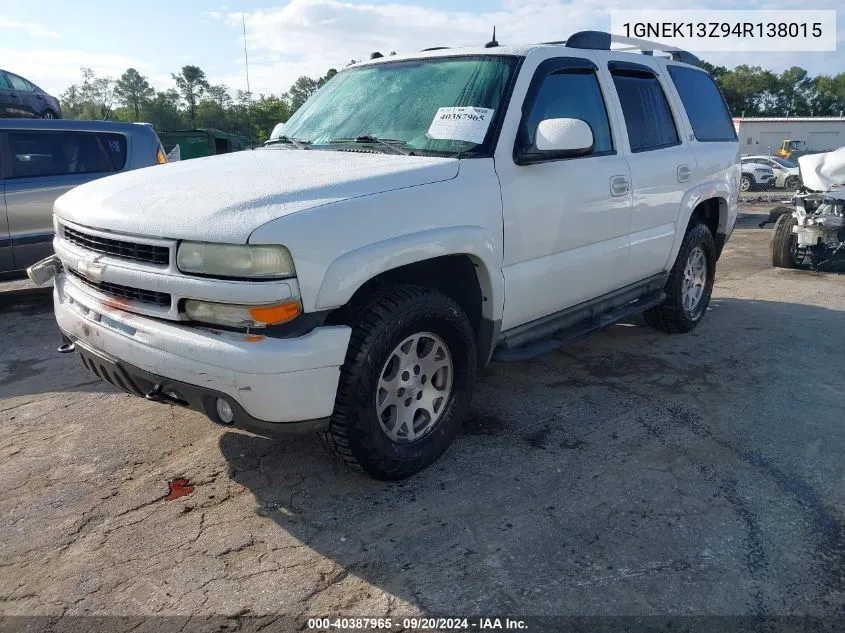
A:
(558, 138)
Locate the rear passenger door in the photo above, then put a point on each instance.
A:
(662, 165)
(42, 166)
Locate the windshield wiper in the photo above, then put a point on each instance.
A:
(395, 145)
(296, 142)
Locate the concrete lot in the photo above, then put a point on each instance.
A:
(635, 473)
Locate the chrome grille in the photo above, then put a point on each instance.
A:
(125, 292)
(118, 248)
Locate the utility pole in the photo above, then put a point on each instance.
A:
(248, 93)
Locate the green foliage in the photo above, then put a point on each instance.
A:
(133, 91)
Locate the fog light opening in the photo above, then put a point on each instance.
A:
(224, 411)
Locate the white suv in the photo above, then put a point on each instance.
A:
(419, 216)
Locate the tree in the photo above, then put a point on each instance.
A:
(91, 99)
(219, 95)
(163, 111)
(133, 91)
(322, 80)
(191, 83)
(299, 92)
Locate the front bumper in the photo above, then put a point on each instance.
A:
(269, 383)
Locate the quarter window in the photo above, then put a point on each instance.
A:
(647, 115)
(36, 154)
(706, 108)
(571, 94)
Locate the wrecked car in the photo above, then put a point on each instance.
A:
(813, 230)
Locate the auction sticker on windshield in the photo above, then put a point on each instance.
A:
(461, 124)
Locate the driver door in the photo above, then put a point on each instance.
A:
(566, 221)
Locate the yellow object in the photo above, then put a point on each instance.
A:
(272, 315)
(161, 159)
(790, 146)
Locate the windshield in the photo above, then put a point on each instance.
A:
(784, 163)
(399, 102)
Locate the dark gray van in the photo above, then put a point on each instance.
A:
(42, 159)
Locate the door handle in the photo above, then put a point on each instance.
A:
(684, 173)
(619, 185)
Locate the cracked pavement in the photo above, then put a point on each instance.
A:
(635, 473)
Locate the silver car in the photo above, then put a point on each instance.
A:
(42, 159)
(755, 176)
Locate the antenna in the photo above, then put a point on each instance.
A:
(492, 43)
(248, 93)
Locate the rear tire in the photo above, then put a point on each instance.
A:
(365, 434)
(783, 242)
(792, 183)
(678, 313)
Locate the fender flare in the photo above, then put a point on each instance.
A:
(346, 274)
(708, 190)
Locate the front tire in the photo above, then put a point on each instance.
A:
(746, 183)
(49, 114)
(784, 242)
(392, 418)
(689, 286)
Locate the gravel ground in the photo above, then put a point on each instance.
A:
(635, 473)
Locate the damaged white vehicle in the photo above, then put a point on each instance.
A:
(419, 216)
(813, 232)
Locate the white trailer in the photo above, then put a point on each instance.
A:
(762, 136)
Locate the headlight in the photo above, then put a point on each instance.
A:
(234, 260)
(241, 315)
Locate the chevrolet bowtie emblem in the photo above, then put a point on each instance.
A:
(91, 268)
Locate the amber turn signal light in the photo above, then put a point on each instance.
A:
(273, 315)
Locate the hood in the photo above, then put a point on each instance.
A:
(225, 198)
(823, 172)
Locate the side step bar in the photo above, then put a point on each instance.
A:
(563, 337)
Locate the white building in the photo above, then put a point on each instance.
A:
(765, 135)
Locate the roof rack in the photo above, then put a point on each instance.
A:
(601, 40)
(435, 48)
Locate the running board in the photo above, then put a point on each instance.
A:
(564, 337)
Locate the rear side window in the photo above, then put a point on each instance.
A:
(647, 115)
(706, 108)
(19, 83)
(571, 94)
(36, 154)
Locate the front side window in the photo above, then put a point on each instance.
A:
(570, 94)
(36, 154)
(706, 108)
(647, 115)
(4, 85)
(398, 101)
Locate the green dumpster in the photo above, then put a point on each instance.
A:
(202, 142)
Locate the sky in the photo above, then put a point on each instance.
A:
(49, 40)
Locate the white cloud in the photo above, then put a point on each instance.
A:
(32, 29)
(307, 37)
(55, 70)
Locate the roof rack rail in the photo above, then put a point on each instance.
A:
(601, 40)
(435, 48)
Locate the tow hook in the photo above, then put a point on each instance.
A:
(67, 348)
(157, 395)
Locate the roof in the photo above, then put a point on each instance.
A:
(516, 50)
(71, 125)
(794, 119)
